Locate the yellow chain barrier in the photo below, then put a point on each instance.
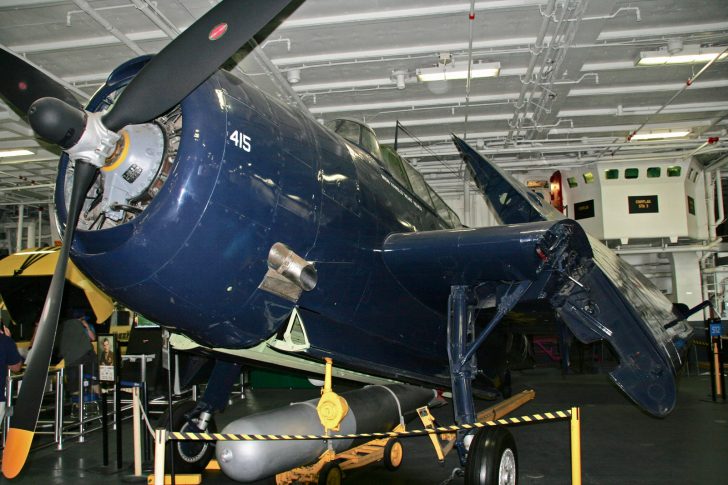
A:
(551, 416)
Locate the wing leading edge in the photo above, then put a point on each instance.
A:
(597, 294)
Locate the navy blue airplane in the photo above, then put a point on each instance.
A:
(218, 211)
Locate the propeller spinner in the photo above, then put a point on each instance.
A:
(90, 138)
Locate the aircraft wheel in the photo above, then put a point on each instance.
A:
(393, 454)
(492, 458)
(189, 456)
(331, 474)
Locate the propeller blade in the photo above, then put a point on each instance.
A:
(191, 58)
(27, 407)
(21, 84)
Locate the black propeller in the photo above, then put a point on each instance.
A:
(55, 115)
(27, 408)
(191, 58)
(22, 84)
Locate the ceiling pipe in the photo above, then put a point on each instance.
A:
(84, 5)
(546, 102)
(468, 79)
(26, 187)
(71, 13)
(712, 246)
(687, 84)
(156, 17)
(535, 53)
(654, 152)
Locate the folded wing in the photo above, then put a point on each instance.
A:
(598, 295)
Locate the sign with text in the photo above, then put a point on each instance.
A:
(584, 210)
(691, 205)
(643, 204)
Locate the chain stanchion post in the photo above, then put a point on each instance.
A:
(118, 417)
(575, 446)
(137, 431)
(104, 427)
(59, 410)
(9, 406)
(168, 357)
(713, 328)
(81, 398)
(160, 442)
(60, 389)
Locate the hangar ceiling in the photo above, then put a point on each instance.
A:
(568, 93)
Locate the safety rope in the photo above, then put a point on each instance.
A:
(551, 416)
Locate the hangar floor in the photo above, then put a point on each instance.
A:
(620, 444)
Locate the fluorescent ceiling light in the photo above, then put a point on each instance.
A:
(15, 153)
(447, 72)
(659, 135)
(688, 55)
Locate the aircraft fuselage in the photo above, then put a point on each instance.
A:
(251, 172)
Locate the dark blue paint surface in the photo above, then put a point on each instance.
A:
(194, 258)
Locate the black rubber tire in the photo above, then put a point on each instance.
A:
(393, 454)
(198, 454)
(330, 474)
(491, 449)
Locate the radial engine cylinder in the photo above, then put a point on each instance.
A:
(371, 409)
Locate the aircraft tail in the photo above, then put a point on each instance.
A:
(604, 298)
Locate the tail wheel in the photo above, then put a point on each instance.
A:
(492, 458)
(393, 454)
(189, 456)
(331, 474)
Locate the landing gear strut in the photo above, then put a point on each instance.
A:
(491, 447)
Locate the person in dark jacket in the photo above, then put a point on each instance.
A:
(9, 359)
(74, 341)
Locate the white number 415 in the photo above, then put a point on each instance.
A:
(241, 140)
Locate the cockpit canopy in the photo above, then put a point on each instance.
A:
(358, 133)
(397, 166)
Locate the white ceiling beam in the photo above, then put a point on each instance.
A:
(375, 82)
(26, 187)
(443, 120)
(626, 129)
(458, 101)
(646, 110)
(563, 146)
(493, 43)
(413, 103)
(574, 113)
(645, 88)
(24, 143)
(406, 13)
(629, 128)
(321, 88)
(19, 128)
(86, 42)
(400, 51)
(27, 3)
(669, 30)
